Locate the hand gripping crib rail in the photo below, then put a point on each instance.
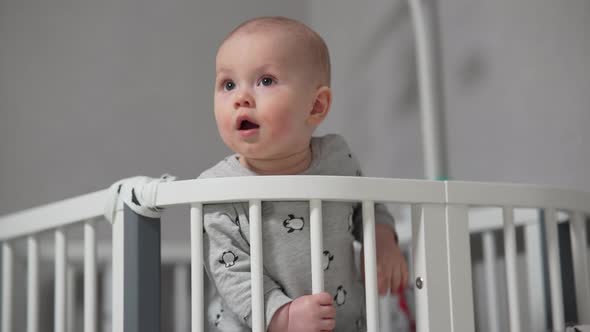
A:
(441, 255)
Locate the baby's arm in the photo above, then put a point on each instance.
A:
(309, 313)
(227, 260)
(392, 269)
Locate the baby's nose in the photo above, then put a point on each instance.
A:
(244, 99)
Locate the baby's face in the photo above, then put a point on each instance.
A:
(263, 95)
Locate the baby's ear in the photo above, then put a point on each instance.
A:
(321, 106)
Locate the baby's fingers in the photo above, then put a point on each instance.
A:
(383, 280)
(396, 278)
(399, 279)
(324, 298)
(404, 273)
(327, 311)
(327, 324)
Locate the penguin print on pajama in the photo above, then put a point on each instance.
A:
(228, 258)
(293, 223)
(340, 297)
(327, 259)
(218, 317)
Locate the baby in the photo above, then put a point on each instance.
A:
(272, 90)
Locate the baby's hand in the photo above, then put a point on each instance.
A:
(392, 270)
(312, 313)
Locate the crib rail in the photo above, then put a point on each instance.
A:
(314, 189)
(52, 216)
(289, 188)
(440, 244)
(30, 223)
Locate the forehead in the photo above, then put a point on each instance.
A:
(270, 47)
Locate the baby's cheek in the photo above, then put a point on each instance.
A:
(224, 129)
(224, 126)
(282, 128)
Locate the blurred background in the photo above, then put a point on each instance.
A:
(94, 91)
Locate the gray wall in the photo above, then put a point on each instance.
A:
(93, 91)
(375, 97)
(516, 86)
(518, 77)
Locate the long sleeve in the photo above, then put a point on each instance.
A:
(339, 160)
(227, 261)
(382, 216)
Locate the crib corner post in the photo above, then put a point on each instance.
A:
(431, 268)
(136, 273)
(459, 253)
(1, 288)
(580, 260)
(6, 263)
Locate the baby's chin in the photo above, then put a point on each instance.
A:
(264, 155)
(277, 164)
(265, 150)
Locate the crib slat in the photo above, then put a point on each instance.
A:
(7, 258)
(554, 269)
(106, 310)
(197, 290)
(71, 298)
(369, 246)
(32, 285)
(258, 324)
(581, 274)
(489, 258)
(534, 261)
(90, 298)
(511, 277)
(60, 281)
(317, 246)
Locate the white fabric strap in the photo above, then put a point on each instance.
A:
(138, 192)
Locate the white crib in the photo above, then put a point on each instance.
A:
(440, 228)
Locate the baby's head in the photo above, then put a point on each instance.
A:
(295, 34)
(272, 88)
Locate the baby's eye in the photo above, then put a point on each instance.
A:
(229, 85)
(266, 81)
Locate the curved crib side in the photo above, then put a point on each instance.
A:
(442, 219)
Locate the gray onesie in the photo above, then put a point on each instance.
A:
(286, 247)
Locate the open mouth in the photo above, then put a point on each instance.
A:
(247, 125)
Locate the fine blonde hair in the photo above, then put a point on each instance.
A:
(319, 55)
